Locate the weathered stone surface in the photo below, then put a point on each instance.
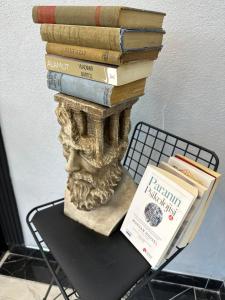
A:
(104, 219)
(94, 140)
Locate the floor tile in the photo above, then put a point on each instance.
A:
(30, 252)
(160, 290)
(1, 254)
(214, 284)
(164, 291)
(222, 292)
(4, 258)
(202, 294)
(188, 294)
(29, 268)
(171, 286)
(183, 279)
(28, 290)
(26, 268)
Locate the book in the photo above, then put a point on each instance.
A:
(192, 172)
(198, 166)
(100, 55)
(105, 16)
(211, 183)
(160, 205)
(118, 39)
(98, 92)
(199, 177)
(184, 234)
(114, 75)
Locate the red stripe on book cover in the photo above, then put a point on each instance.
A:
(97, 15)
(46, 14)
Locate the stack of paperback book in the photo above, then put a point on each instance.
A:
(169, 206)
(101, 54)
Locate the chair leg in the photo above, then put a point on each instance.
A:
(151, 290)
(51, 284)
(151, 275)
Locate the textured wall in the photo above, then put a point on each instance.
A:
(185, 96)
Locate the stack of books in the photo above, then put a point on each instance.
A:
(169, 206)
(101, 54)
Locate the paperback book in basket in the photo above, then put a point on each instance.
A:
(206, 180)
(159, 207)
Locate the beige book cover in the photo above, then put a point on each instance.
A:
(114, 75)
(105, 16)
(117, 39)
(101, 55)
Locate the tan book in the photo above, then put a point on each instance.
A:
(105, 16)
(100, 55)
(117, 39)
(114, 75)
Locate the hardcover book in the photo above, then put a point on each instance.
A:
(105, 16)
(114, 75)
(100, 55)
(98, 92)
(160, 205)
(118, 39)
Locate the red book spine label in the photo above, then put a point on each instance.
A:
(97, 15)
(46, 14)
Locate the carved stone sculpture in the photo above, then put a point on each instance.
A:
(94, 140)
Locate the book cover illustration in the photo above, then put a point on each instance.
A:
(153, 214)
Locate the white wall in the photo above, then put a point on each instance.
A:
(185, 96)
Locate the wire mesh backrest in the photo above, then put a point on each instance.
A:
(150, 144)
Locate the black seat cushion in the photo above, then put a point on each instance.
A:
(99, 268)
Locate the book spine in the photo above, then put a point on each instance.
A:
(183, 238)
(205, 208)
(85, 36)
(151, 54)
(98, 72)
(154, 38)
(105, 16)
(82, 88)
(84, 53)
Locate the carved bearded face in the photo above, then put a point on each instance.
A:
(90, 183)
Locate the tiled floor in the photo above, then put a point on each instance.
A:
(12, 288)
(30, 266)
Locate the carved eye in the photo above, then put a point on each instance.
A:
(86, 153)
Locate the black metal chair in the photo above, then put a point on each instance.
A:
(97, 267)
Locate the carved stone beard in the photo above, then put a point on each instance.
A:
(89, 191)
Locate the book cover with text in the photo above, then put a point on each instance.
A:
(157, 211)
